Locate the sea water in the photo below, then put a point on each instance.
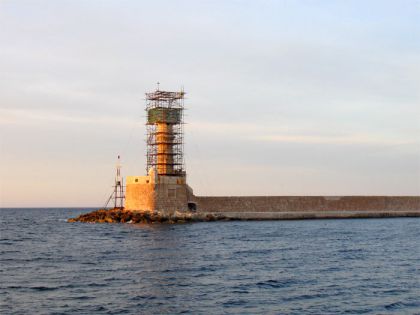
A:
(354, 266)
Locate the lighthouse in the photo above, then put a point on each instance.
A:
(164, 187)
(165, 136)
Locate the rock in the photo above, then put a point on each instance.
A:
(210, 217)
(118, 215)
(109, 220)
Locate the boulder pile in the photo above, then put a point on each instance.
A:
(126, 216)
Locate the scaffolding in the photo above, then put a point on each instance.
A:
(165, 132)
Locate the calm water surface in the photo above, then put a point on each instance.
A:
(363, 266)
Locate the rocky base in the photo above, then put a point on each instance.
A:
(125, 216)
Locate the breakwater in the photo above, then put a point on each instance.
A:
(267, 208)
(310, 207)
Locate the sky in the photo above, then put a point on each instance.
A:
(287, 97)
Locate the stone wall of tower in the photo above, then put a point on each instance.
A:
(165, 138)
(154, 192)
(139, 194)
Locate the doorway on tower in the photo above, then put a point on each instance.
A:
(192, 206)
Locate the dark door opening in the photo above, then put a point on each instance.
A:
(192, 206)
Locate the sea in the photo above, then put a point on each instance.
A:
(350, 266)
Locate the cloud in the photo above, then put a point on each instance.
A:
(294, 133)
(337, 140)
(27, 118)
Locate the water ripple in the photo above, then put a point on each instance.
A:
(48, 266)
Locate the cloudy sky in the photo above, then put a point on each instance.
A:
(284, 97)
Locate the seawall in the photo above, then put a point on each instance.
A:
(309, 207)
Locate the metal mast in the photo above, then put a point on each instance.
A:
(165, 134)
(118, 192)
(118, 187)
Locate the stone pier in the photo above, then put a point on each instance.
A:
(170, 194)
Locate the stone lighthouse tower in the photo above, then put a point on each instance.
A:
(164, 188)
(165, 136)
